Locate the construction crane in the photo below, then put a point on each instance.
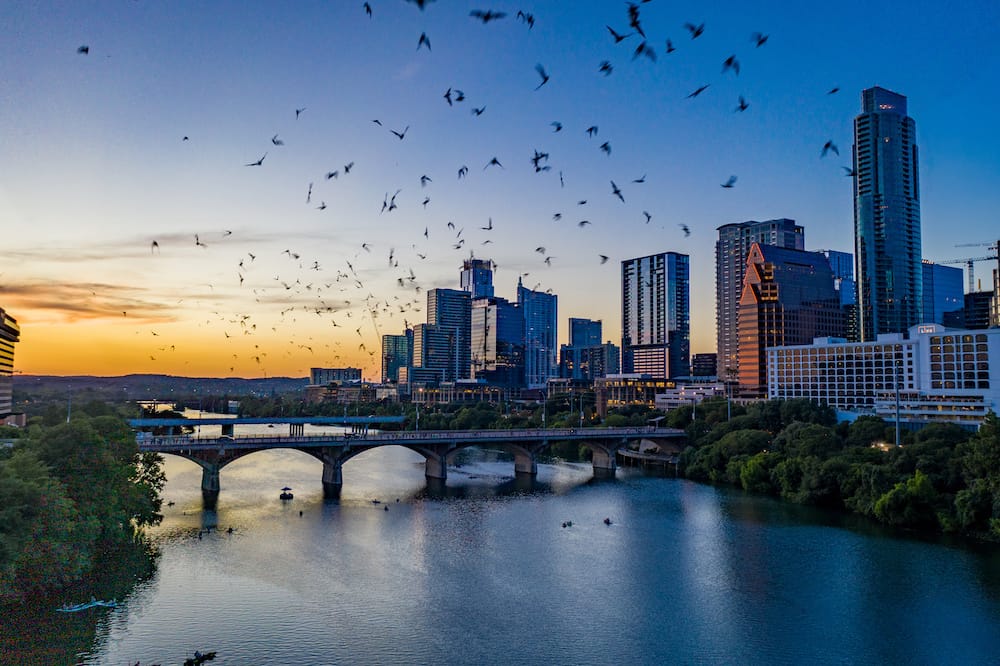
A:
(969, 261)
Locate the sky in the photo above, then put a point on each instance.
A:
(136, 239)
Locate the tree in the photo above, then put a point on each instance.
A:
(806, 410)
(866, 430)
(911, 503)
(40, 529)
(802, 439)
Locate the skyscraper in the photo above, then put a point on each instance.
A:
(584, 332)
(9, 335)
(477, 278)
(540, 335)
(943, 288)
(886, 216)
(434, 352)
(450, 311)
(731, 252)
(788, 299)
(656, 319)
(397, 352)
(497, 342)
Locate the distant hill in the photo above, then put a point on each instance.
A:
(162, 387)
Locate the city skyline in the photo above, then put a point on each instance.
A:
(109, 210)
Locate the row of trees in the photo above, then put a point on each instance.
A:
(70, 493)
(942, 478)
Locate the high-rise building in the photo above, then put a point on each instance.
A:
(477, 278)
(434, 351)
(703, 365)
(397, 352)
(10, 334)
(842, 265)
(540, 311)
(886, 216)
(584, 332)
(788, 299)
(450, 311)
(589, 363)
(731, 252)
(656, 315)
(974, 315)
(995, 301)
(942, 291)
(497, 333)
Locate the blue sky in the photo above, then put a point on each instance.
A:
(94, 167)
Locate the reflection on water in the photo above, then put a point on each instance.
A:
(480, 570)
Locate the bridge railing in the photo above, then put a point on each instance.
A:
(176, 442)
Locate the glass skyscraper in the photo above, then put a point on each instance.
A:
(656, 315)
(540, 335)
(584, 332)
(731, 252)
(449, 310)
(397, 352)
(788, 299)
(497, 342)
(477, 278)
(943, 292)
(886, 216)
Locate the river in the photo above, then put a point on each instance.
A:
(482, 571)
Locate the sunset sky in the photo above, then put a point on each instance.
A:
(95, 167)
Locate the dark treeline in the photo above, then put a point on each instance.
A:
(942, 478)
(71, 494)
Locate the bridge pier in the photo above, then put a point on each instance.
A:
(524, 464)
(436, 467)
(210, 484)
(333, 479)
(604, 463)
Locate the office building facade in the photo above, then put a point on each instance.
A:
(435, 353)
(656, 315)
(942, 292)
(788, 299)
(541, 326)
(449, 310)
(10, 335)
(477, 278)
(318, 376)
(587, 363)
(886, 216)
(584, 332)
(397, 352)
(937, 375)
(497, 333)
(731, 250)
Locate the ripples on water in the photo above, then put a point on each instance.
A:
(481, 572)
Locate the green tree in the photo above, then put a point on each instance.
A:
(910, 503)
(41, 544)
(866, 430)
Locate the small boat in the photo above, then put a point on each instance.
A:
(88, 604)
(607, 521)
(199, 658)
(285, 494)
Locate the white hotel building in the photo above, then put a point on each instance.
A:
(936, 374)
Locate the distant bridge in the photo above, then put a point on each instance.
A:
(437, 447)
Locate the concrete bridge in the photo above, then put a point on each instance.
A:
(437, 447)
